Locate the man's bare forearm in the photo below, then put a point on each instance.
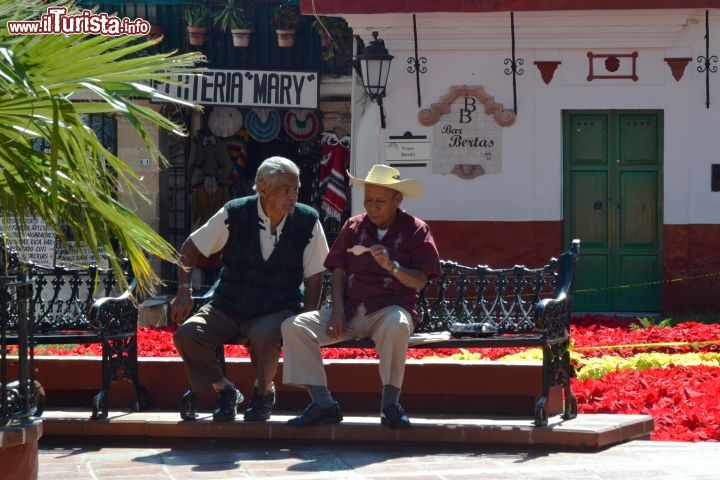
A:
(313, 289)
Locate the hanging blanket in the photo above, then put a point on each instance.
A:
(334, 162)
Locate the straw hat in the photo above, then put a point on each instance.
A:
(389, 177)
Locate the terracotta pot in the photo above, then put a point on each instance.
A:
(197, 35)
(241, 37)
(286, 38)
(156, 32)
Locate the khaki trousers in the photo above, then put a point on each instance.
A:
(198, 337)
(304, 334)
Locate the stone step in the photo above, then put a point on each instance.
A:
(591, 432)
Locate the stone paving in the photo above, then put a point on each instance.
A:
(87, 459)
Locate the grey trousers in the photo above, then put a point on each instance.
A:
(304, 334)
(197, 338)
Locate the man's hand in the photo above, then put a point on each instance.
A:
(336, 326)
(181, 306)
(411, 278)
(382, 256)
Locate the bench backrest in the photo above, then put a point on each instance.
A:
(501, 300)
(505, 300)
(62, 297)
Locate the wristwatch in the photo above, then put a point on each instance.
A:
(396, 267)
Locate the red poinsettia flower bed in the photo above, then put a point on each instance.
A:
(684, 401)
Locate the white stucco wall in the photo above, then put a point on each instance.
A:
(470, 49)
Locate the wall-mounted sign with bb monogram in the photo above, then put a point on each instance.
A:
(467, 133)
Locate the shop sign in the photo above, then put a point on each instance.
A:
(246, 88)
(467, 132)
(467, 141)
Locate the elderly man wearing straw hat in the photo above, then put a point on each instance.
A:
(379, 262)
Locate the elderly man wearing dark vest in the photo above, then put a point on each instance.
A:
(379, 262)
(270, 245)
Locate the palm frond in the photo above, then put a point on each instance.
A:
(74, 185)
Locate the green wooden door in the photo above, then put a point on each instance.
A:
(612, 203)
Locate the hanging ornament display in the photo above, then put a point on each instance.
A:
(301, 125)
(263, 124)
(224, 122)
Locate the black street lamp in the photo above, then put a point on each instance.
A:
(374, 64)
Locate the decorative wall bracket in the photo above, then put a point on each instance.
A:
(547, 70)
(429, 116)
(677, 66)
(513, 64)
(416, 63)
(708, 63)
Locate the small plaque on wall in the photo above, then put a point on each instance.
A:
(407, 150)
(34, 241)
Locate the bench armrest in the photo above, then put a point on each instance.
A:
(115, 316)
(553, 317)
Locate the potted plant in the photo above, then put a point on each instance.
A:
(196, 18)
(233, 17)
(332, 31)
(286, 18)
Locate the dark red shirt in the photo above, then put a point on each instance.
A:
(408, 240)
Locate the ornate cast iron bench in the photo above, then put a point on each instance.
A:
(78, 306)
(482, 307)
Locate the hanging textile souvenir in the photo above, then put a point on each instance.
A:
(241, 179)
(301, 125)
(225, 121)
(334, 162)
(263, 124)
(209, 167)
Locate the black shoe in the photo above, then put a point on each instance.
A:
(394, 416)
(316, 415)
(227, 403)
(188, 409)
(260, 406)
